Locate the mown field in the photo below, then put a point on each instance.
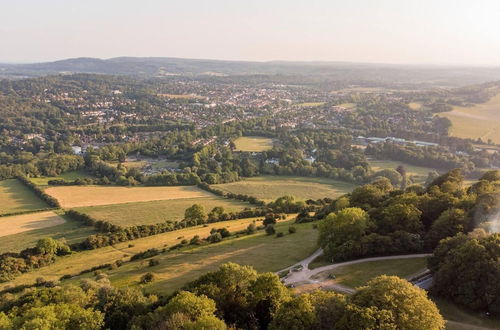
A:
(15, 197)
(141, 213)
(68, 176)
(268, 188)
(253, 143)
(75, 263)
(79, 196)
(419, 173)
(480, 121)
(264, 253)
(70, 230)
(357, 275)
(24, 222)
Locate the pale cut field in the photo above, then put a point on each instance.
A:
(79, 196)
(25, 222)
(268, 188)
(253, 143)
(75, 263)
(16, 197)
(480, 121)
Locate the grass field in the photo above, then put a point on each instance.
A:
(68, 176)
(79, 196)
(415, 106)
(460, 319)
(356, 275)
(419, 173)
(75, 263)
(480, 121)
(142, 213)
(253, 143)
(268, 188)
(16, 197)
(310, 104)
(24, 222)
(70, 230)
(264, 253)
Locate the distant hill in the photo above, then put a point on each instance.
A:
(165, 66)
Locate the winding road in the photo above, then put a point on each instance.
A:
(304, 275)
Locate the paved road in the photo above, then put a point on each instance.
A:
(305, 274)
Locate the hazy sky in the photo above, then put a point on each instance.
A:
(390, 31)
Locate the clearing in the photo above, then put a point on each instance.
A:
(20, 223)
(253, 143)
(145, 213)
(68, 176)
(415, 106)
(16, 197)
(480, 121)
(310, 104)
(268, 188)
(79, 196)
(70, 230)
(73, 264)
(418, 173)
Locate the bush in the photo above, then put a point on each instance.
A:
(292, 230)
(270, 230)
(153, 262)
(147, 278)
(280, 234)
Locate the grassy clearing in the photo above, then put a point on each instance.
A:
(415, 106)
(310, 104)
(253, 143)
(70, 230)
(68, 176)
(79, 196)
(15, 197)
(480, 121)
(75, 263)
(20, 223)
(268, 188)
(356, 275)
(460, 319)
(142, 213)
(419, 173)
(265, 253)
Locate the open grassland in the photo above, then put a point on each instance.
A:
(70, 230)
(310, 104)
(415, 106)
(68, 176)
(77, 262)
(79, 196)
(16, 197)
(264, 253)
(356, 275)
(253, 143)
(419, 173)
(480, 121)
(24, 222)
(268, 188)
(144, 213)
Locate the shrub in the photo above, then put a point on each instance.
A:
(270, 230)
(153, 262)
(292, 230)
(147, 278)
(280, 234)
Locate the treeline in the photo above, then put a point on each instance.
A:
(45, 253)
(240, 197)
(231, 297)
(377, 219)
(40, 193)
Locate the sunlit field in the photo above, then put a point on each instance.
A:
(253, 143)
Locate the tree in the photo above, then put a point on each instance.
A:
(400, 216)
(466, 270)
(147, 278)
(251, 228)
(296, 314)
(449, 223)
(270, 230)
(195, 214)
(409, 306)
(349, 224)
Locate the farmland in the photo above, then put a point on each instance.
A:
(264, 253)
(79, 196)
(70, 230)
(419, 173)
(141, 213)
(268, 188)
(480, 121)
(15, 197)
(253, 143)
(75, 263)
(20, 223)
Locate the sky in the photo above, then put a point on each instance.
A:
(450, 32)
